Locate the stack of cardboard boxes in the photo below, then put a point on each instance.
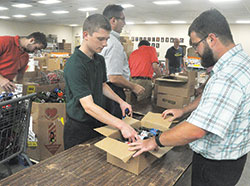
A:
(175, 91)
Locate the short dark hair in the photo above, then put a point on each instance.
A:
(112, 11)
(143, 42)
(39, 38)
(212, 21)
(94, 22)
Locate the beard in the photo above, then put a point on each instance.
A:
(207, 59)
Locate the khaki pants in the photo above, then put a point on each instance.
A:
(147, 84)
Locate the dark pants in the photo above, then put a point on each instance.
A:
(207, 172)
(173, 70)
(113, 107)
(76, 132)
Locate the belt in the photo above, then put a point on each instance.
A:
(141, 77)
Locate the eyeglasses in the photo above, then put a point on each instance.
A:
(195, 45)
(121, 18)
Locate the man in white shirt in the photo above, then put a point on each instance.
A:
(116, 60)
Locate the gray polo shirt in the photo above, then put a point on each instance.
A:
(115, 57)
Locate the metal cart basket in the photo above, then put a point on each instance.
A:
(14, 127)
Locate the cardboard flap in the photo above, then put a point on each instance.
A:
(115, 148)
(174, 79)
(160, 152)
(130, 120)
(155, 120)
(106, 130)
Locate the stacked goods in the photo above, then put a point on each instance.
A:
(175, 91)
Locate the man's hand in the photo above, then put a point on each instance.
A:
(138, 89)
(124, 105)
(176, 113)
(129, 133)
(142, 146)
(7, 85)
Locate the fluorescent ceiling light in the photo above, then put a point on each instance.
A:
(47, 2)
(130, 23)
(127, 5)
(74, 25)
(151, 22)
(178, 22)
(89, 9)
(60, 12)
(223, 1)
(3, 8)
(19, 16)
(243, 21)
(4, 17)
(21, 5)
(38, 14)
(175, 2)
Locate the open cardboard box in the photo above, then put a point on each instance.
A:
(117, 151)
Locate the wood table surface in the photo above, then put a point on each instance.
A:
(85, 164)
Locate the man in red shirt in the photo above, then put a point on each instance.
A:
(143, 62)
(14, 57)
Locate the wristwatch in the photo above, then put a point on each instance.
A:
(157, 141)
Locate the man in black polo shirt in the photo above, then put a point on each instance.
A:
(85, 76)
(174, 58)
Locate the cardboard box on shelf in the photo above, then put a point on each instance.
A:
(30, 87)
(171, 101)
(47, 123)
(121, 156)
(54, 64)
(179, 85)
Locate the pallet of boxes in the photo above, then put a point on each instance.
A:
(48, 114)
(175, 91)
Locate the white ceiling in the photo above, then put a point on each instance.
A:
(143, 10)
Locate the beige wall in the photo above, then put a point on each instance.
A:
(240, 32)
(22, 29)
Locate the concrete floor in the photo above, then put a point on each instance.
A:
(185, 179)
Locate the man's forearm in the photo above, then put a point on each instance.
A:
(120, 81)
(99, 113)
(192, 106)
(108, 92)
(181, 134)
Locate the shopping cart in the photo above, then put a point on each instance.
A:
(14, 128)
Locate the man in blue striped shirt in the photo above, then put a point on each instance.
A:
(218, 130)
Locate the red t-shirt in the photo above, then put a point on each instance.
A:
(12, 58)
(141, 60)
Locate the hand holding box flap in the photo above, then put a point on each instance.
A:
(155, 120)
(109, 145)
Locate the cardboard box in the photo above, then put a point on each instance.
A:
(181, 85)
(29, 87)
(120, 156)
(47, 123)
(54, 64)
(171, 101)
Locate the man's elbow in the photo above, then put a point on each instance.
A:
(198, 134)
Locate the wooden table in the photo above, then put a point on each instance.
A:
(86, 165)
